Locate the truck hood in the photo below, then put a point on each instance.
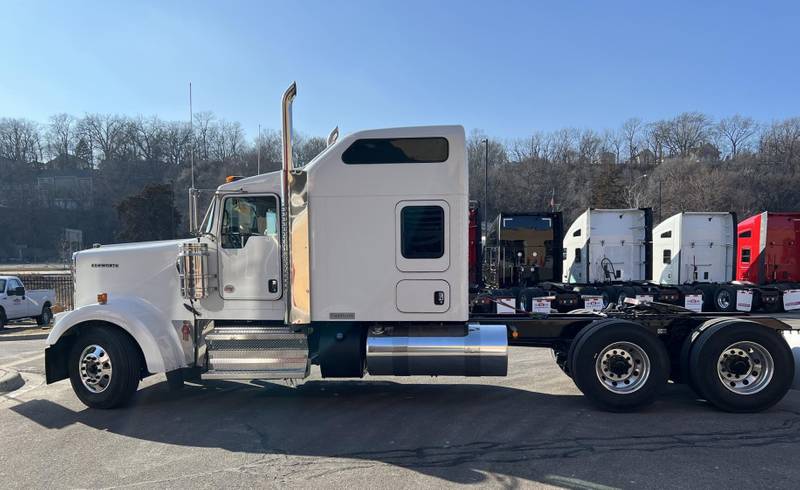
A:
(145, 269)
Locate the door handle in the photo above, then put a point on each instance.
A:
(438, 298)
(273, 285)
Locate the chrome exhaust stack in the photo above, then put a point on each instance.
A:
(286, 114)
(295, 233)
(477, 350)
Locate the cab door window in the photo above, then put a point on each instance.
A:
(246, 216)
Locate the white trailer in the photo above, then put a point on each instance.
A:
(357, 263)
(695, 247)
(606, 245)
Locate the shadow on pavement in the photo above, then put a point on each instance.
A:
(452, 431)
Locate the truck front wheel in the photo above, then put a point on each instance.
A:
(741, 367)
(620, 366)
(104, 368)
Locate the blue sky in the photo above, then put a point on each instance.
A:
(510, 68)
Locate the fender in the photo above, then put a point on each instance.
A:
(148, 326)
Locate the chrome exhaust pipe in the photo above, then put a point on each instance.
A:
(286, 112)
(481, 350)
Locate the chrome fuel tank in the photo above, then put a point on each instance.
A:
(474, 350)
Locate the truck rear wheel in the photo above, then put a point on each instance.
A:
(46, 317)
(725, 299)
(620, 365)
(2, 319)
(104, 368)
(627, 292)
(741, 367)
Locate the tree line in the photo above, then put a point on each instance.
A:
(691, 162)
(688, 163)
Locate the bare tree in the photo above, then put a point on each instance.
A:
(176, 139)
(737, 132)
(61, 135)
(20, 141)
(106, 132)
(631, 131)
(148, 136)
(589, 146)
(687, 132)
(203, 128)
(613, 141)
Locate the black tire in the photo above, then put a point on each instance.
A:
(776, 307)
(707, 291)
(125, 364)
(681, 374)
(2, 319)
(712, 344)
(586, 370)
(627, 292)
(725, 299)
(46, 317)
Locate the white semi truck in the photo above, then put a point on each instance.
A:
(358, 263)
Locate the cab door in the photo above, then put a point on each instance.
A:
(14, 304)
(422, 256)
(249, 250)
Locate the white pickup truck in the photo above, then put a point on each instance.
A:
(16, 303)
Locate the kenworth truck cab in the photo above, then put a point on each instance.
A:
(358, 263)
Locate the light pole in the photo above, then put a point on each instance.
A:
(659, 195)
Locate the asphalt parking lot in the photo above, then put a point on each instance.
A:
(530, 429)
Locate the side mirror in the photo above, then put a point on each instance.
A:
(20, 291)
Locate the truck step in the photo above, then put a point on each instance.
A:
(256, 352)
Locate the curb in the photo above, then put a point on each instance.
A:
(10, 380)
(22, 336)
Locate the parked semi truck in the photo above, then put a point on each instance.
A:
(358, 263)
(609, 252)
(769, 256)
(695, 252)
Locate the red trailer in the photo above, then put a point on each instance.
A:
(769, 248)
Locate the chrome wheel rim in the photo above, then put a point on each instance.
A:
(724, 300)
(745, 368)
(95, 368)
(622, 367)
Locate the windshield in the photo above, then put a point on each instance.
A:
(207, 226)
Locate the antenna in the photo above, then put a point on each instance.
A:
(258, 142)
(191, 131)
(192, 191)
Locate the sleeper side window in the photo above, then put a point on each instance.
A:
(422, 232)
(396, 150)
(578, 258)
(745, 255)
(667, 256)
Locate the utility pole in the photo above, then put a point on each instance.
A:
(659, 199)
(486, 190)
(258, 142)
